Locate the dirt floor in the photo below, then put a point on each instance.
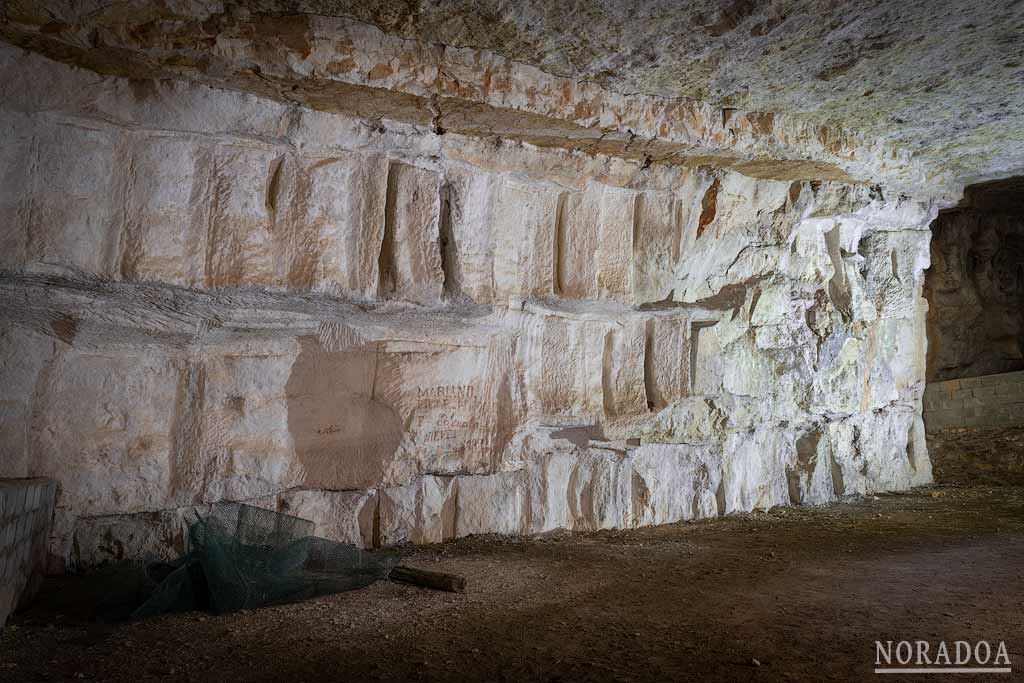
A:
(991, 456)
(792, 594)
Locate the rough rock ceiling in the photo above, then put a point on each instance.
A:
(942, 79)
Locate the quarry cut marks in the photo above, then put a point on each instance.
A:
(411, 337)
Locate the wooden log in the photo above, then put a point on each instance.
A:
(435, 580)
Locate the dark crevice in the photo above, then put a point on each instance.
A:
(794, 193)
(273, 187)
(708, 207)
(650, 380)
(448, 248)
(376, 533)
(386, 259)
(558, 251)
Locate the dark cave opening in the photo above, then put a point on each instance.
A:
(975, 285)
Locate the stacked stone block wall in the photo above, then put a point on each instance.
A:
(26, 516)
(988, 401)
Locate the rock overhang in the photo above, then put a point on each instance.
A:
(943, 80)
(318, 57)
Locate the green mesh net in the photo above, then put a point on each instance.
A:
(241, 557)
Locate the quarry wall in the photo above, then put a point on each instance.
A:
(409, 334)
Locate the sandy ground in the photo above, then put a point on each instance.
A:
(793, 594)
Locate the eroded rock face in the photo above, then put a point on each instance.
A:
(410, 337)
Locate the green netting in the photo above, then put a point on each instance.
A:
(241, 557)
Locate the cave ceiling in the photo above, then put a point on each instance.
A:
(940, 80)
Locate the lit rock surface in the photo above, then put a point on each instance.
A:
(410, 337)
(313, 54)
(938, 79)
(943, 79)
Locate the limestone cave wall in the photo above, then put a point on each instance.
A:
(975, 290)
(410, 335)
